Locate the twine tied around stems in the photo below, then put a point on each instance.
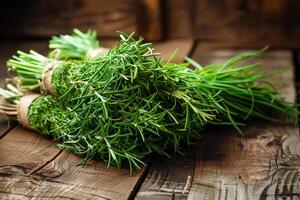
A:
(46, 85)
(23, 109)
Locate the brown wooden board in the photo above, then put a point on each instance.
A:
(297, 73)
(262, 165)
(33, 167)
(235, 23)
(44, 19)
(244, 23)
(179, 18)
(22, 153)
(169, 178)
(149, 19)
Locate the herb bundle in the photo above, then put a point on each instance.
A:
(127, 103)
(79, 45)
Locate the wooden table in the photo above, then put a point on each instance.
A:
(265, 164)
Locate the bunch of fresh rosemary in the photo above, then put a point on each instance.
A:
(79, 45)
(127, 103)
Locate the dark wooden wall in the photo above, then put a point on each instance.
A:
(236, 22)
(233, 23)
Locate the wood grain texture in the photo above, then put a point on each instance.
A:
(149, 19)
(33, 167)
(179, 18)
(62, 178)
(44, 18)
(168, 178)
(262, 165)
(245, 23)
(235, 23)
(22, 153)
(297, 73)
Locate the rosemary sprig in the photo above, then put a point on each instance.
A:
(29, 67)
(75, 46)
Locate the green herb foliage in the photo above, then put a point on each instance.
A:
(29, 67)
(127, 104)
(75, 46)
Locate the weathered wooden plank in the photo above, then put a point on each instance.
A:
(297, 73)
(179, 17)
(32, 166)
(44, 19)
(168, 178)
(62, 178)
(273, 22)
(22, 153)
(149, 19)
(262, 165)
(235, 23)
(41, 18)
(104, 16)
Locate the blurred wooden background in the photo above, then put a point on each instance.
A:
(233, 23)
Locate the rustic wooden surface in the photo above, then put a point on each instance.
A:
(179, 18)
(33, 167)
(262, 165)
(169, 178)
(234, 23)
(44, 18)
(246, 22)
(297, 73)
(149, 19)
